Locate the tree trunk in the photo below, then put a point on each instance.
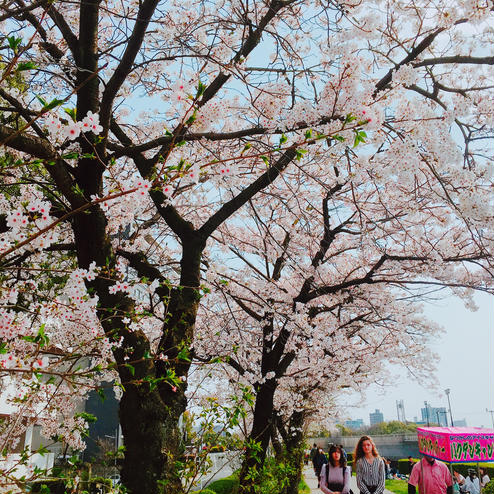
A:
(275, 440)
(152, 440)
(258, 440)
(294, 451)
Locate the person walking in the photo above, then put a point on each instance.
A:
(318, 462)
(484, 477)
(369, 467)
(431, 476)
(458, 482)
(472, 484)
(335, 475)
(313, 452)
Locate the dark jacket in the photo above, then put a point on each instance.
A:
(319, 460)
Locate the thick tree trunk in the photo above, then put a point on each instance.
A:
(152, 440)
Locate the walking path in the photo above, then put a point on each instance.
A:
(310, 478)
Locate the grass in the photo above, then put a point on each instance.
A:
(397, 485)
(303, 488)
(229, 485)
(224, 486)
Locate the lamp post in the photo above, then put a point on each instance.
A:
(115, 445)
(447, 391)
(427, 412)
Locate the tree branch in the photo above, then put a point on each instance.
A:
(239, 200)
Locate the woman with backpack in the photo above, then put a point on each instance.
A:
(335, 475)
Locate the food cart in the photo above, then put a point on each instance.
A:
(457, 444)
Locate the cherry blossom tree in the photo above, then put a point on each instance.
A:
(132, 132)
(315, 300)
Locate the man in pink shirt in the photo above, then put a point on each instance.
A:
(431, 476)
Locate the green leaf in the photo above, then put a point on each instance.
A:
(339, 138)
(192, 119)
(70, 156)
(41, 100)
(101, 393)
(14, 42)
(350, 118)
(71, 112)
(360, 136)
(49, 106)
(283, 139)
(308, 134)
(3, 348)
(184, 355)
(300, 153)
(26, 66)
(180, 144)
(88, 417)
(265, 159)
(200, 89)
(131, 369)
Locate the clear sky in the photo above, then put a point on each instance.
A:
(466, 367)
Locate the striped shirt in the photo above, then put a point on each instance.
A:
(370, 475)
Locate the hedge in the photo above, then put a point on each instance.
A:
(403, 467)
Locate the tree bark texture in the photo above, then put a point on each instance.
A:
(260, 434)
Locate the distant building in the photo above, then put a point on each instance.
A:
(460, 423)
(434, 415)
(354, 424)
(376, 417)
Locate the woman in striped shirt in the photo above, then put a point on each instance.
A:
(369, 467)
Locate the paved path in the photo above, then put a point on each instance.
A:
(310, 478)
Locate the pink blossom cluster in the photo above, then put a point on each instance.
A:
(71, 130)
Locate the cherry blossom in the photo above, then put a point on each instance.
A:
(272, 183)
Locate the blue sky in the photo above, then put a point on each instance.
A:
(465, 367)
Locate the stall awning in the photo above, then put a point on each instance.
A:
(457, 444)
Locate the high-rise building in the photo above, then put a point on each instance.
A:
(434, 415)
(354, 424)
(376, 417)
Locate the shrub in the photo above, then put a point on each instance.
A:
(489, 488)
(55, 486)
(303, 488)
(403, 467)
(95, 483)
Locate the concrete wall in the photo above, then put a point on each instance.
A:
(392, 446)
